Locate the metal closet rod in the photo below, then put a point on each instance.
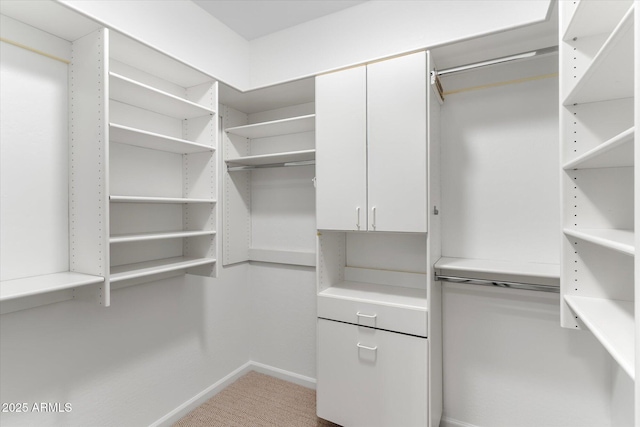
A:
(503, 59)
(500, 284)
(271, 165)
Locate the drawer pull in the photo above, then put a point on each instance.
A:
(364, 347)
(368, 316)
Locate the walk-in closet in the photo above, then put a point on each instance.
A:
(317, 213)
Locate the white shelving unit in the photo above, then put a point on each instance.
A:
(614, 153)
(154, 141)
(29, 286)
(276, 158)
(288, 126)
(522, 272)
(144, 199)
(163, 187)
(143, 269)
(149, 98)
(261, 155)
(598, 86)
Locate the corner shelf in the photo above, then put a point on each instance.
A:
(276, 127)
(29, 286)
(610, 74)
(132, 92)
(618, 240)
(612, 323)
(144, 199)
(141, 237)
(616, 152)
(148, 268)
(276, 158)
(155, 141)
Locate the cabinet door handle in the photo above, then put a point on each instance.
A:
(358, 218)
(364, 347)
(373, 223)
(369, 316)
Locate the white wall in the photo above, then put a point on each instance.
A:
(377, 29)
(157, 345)
(508, 363)
(283, 313)
(362, 33)
(179, 28)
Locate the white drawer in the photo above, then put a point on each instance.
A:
(375, 306)
(369, 377)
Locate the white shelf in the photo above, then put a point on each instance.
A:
(266, 159)
(619, 240)
(277, 127)
(610, 75)
(140, 95)
(143, 199)
(612, 323)
(469, 266)
(595, 17)
(616, 152)
(395, 296)
(283, 257)
(155, 141)
(140, 237)
(18, 288)
(142, 269)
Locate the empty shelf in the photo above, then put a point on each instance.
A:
(142, 269)
(276, 127)
(140, 95)
(155, 141)
(18, 288)
(619, 240)
(612, 323)
(140, 237)
(143, 199)
(378, 294)
(616, 152)
(525, 269)
(595, 17)
(266, 159)
(610, 75)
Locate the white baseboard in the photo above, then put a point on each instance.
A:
(450, 422)
(307, 382)
(206, 394)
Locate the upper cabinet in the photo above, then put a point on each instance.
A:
(371, 125)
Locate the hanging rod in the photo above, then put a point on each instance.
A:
(34, 50)
(500, 284)
(510, 58)
(270, 165)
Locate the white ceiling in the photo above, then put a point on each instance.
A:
(256, 18)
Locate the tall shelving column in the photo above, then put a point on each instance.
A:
(598, 137)
(163, 130)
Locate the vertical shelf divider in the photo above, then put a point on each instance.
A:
(89, 157)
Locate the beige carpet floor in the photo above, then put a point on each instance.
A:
(258, 400)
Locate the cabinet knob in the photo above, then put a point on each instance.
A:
(358, 218)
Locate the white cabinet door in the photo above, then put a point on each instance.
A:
(397, 144)
(369, 377)
(341, 150)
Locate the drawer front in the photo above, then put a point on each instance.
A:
(391, 318)
(368, 377)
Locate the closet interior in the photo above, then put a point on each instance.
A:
(401, 185)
